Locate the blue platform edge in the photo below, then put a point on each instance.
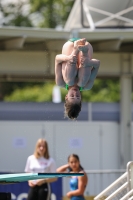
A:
(7, 178)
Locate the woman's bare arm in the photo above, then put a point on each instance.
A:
(63, 168)
(46, 180)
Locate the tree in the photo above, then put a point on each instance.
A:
(106, 90)
(15, 14)
(53, 12)
(43, 13)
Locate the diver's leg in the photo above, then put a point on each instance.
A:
(84, 57)
(70, 67)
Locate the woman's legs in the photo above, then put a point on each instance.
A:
(44, 192)
(77, 198)
(33, 193)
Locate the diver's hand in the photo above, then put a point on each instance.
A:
(79, 43)
(72, 59)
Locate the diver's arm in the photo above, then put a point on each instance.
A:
(61, 58)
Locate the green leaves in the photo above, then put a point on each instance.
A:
(41, 13)
(15, 14)
(53, 12)
(36, 93)
(104, 90)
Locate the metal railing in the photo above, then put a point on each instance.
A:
(127, 195)
(121, 189)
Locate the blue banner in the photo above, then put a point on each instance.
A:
(20, 190)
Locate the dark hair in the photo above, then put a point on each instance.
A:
(77, 157)
(72, 109)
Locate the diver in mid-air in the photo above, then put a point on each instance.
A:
(75, 70)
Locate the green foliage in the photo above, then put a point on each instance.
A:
(14, 14)
(21, 20)
(50, 13)
(105, 90)
(53, 12)
(36, 93)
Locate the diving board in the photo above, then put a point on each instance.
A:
(21, 177)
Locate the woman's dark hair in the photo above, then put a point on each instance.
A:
(77, 158)
(72, 110)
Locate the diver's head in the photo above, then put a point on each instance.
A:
(72, 102)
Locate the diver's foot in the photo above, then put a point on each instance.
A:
(78, 43)
(84, 48)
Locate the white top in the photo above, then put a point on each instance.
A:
(42, 165)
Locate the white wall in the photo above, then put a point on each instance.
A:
(96, 143)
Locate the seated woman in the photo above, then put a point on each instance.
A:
(76, 71)
(77, 184)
